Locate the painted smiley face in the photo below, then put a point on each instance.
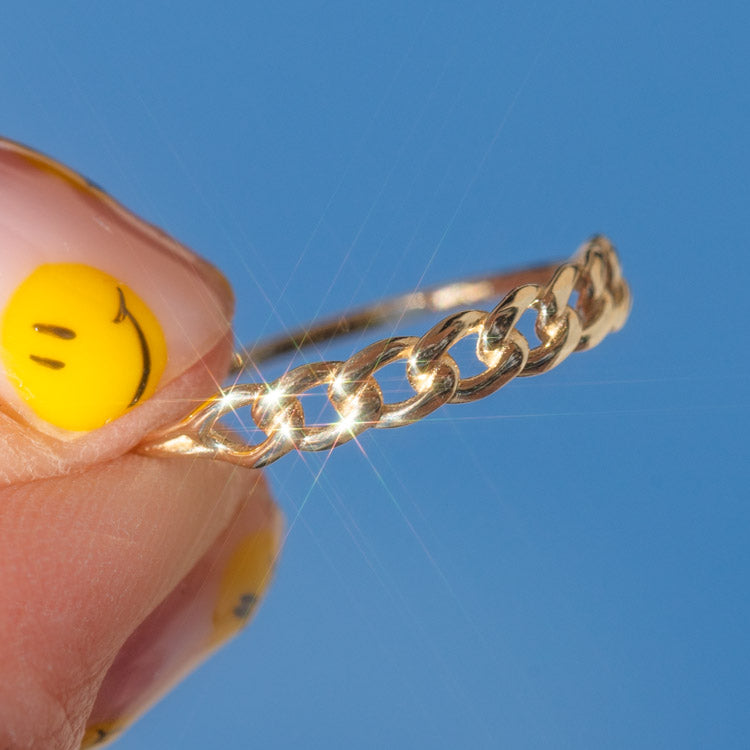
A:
(80, 347)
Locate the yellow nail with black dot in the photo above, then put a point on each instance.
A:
(243, 582)
(80, 347)
(101, 734)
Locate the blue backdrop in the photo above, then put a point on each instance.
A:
(564, 564)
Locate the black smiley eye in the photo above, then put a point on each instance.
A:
(53, 364)
(59, 332)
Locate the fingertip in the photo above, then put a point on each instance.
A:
(84, 561)
(214, 602)
(100, 314)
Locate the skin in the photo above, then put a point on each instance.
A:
(119, 572)
(125, 536)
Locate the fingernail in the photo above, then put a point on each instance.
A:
(242, 584)
(216, 600)
(98, 735)
(99, 308)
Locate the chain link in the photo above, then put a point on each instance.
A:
(585, 300)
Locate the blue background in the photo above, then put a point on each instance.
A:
(564, 564)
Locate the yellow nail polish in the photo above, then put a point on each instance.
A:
(80, 347)
(101, 733)
(245, 578)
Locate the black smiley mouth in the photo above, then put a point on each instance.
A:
(124, 314)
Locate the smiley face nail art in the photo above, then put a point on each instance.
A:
(243, 582)
(102, 317)
(101, 734)
(80, 347)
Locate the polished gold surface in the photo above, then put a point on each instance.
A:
(576, 305)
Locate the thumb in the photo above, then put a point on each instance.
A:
(109, 327)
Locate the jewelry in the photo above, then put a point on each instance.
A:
(583, 300)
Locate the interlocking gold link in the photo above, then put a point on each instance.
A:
(584, 300)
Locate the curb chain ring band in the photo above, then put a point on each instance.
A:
(584, 300)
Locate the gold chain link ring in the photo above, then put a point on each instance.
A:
(582, 301)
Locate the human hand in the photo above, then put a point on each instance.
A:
(118, 572)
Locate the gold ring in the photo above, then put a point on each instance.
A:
(577, 303)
